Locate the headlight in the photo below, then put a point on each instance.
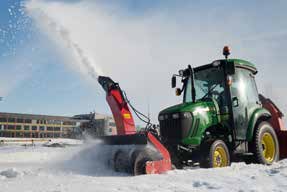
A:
(175, 115)
(186, 115)
(181, 115)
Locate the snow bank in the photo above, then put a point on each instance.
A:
(14, 150)
(86, 168)
(17, 141)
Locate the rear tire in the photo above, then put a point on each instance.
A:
(214, 154)
(265, 144)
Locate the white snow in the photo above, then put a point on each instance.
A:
(85, 168)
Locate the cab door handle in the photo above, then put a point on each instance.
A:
(235, 102)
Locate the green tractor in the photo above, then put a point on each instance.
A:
(221, 117)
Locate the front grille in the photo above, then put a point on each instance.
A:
(174, 130)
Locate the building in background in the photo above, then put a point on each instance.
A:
(39, 126)
(95, 124)
(47, 126)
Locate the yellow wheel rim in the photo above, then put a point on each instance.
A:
(220, 157)
(268, 146)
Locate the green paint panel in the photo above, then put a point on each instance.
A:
(203, 111)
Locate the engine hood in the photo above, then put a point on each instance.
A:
(190, 107)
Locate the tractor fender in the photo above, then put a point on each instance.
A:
(258, 114)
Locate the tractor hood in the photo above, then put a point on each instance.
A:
(184, 123)
(199, 106)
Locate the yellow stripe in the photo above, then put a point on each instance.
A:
(127, 115)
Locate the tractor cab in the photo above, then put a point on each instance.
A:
(230, 84)
(222, 94)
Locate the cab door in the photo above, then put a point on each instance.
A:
(244, 100)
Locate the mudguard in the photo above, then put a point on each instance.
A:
(277, 123)
(257, 114)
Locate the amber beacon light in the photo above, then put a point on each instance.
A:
(226, 51)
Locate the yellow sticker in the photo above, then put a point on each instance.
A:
(127, 115)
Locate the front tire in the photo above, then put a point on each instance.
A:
(121, 163)
(265, 144)
(214, 155)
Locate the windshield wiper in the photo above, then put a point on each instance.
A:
(210, 90)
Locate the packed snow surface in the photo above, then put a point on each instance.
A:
(85, 168)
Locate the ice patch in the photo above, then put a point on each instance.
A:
(10, 173)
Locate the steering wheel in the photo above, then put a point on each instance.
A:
(215, 94)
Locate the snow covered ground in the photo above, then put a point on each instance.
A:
(81, 168)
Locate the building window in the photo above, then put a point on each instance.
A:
(58, 122)
(20, 120)
(27, 127)
(49, 128)
(28, 121)
(11, 127)
(11, 120)
(42, 128)
(69, 123)
(34, 128)
(112, 124)
(41, 121)
(18, 127)
(3, 119)
(57, 129)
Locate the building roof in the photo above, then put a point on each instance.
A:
(36, 116)
(92, 116)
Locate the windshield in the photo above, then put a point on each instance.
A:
(208, 83)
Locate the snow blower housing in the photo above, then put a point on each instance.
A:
(141, 160)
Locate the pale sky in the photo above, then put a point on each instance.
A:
(138, 43)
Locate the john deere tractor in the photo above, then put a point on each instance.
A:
(221, 117)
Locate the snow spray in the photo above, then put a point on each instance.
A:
(84, 63)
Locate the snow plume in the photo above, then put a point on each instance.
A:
(84, 62)
(93, 159)
(142, 49)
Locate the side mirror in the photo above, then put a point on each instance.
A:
(177, 92)
(173, 81)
